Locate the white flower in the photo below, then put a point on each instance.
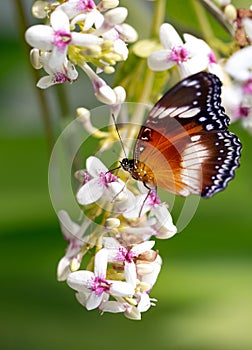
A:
(61, 74)
(191, 57)
(73, 233)
(240, 63)
(160, 218)
(103, 184)
(57, 37)
(94, 285)
(126, 256)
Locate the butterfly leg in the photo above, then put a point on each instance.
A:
(145, 199)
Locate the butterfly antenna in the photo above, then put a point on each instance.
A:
(119, 135)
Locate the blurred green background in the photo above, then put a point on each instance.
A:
(205, 287)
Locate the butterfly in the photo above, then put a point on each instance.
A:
(184, 145)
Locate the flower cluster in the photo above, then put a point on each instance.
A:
(123, 266)
(194, 55)
(80, 33)
(110, 261)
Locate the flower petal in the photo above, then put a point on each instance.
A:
(112, 306)
(82, 297)
(159, 60)
(90, 192)
(93, 301)
(122, 289)
(132, 313)
(60, 21)
(78, 280)
(151, 278)
(165, 226)
(115, 191)
(40, 36)
(68, 227)
(101, 260)
(95, 166)
(144, 303)
(46, 82)
(130, 273)
(138, 205)
(169, 37)
(142, 247)
(63, 269)
(86, 40)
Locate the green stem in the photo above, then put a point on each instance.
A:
(159, 16)
(44, 108)
(63, 101)
(137, 117)
(205, 27)
(139, 111)
(218, 15)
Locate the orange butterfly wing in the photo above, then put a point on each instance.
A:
(185, 141)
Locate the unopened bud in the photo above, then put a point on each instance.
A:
(230, 12)
(116, 16)
(127, 33)
(83, 114)
(120, 94)
(111, 223)
(75, 264)
(108, 4)
(39, 9)
(108, 69)
(91, 51)
(106, 95)
(35, 58)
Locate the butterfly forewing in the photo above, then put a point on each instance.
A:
(185, 141)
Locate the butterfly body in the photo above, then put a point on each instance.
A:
(138, 170)
(184, 145)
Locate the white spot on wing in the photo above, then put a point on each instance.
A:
(165, 113)
(156, 111)
(195, 138)
(190, 113)
(192, 159)
(188, 82)
(178, 111)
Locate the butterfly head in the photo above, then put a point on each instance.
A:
(127, 164)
